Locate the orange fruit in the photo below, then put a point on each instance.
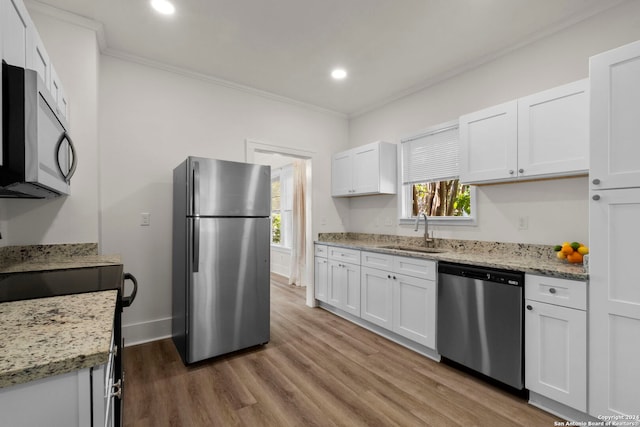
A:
(574, 258)
(566, 249)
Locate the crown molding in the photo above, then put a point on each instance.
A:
(216, 81)
(71, 18)
(98, 28)
(468, 66)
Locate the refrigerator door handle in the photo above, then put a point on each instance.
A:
(196, 188)
(196, 244)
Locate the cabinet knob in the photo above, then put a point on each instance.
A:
(394, 277)
(552, 290)
(511, 171)
(596, 197)
(529, 307)
(521, 170)
(388, 276)
(595, 181)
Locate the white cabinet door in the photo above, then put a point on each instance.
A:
(334, 283)
(488, 143)
(414, 309)
(58, 93)
(341, 183)
(351, 289)
(377, 295)
(615, 109)
(614, 302)
(321, 279)
(553, 131)
(366, 169)
(343, 290)
(38, 58)
(15, 26)
(555, 349)
(58, 401)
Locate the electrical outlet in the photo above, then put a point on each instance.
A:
(523, 223)
(145, 218)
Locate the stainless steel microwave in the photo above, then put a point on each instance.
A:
(38, 156)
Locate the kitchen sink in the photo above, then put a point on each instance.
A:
(414, 249)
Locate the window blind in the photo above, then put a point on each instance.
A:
(431, 156)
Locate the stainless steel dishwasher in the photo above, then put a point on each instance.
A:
(480, 320)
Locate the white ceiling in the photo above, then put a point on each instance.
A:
(288, 47)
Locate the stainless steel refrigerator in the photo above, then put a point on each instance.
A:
(221, 243)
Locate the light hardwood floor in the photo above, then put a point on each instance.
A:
(317, 370)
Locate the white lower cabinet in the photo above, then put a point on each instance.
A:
(376, 297)
(321, 278)
(556, 340)
(60, 401)
(343, 290)
(399, 294)
(414, 309)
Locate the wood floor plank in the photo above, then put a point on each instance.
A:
(317, 370)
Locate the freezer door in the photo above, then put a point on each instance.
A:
(222, 188)
(229, 290)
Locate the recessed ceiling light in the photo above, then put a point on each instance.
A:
(339, 74)
(164, 7)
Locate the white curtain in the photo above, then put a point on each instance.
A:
(298, 214)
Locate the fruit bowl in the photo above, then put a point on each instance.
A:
(572, 253)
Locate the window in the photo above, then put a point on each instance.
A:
(276, 215)
(281, 206)
(430, 170)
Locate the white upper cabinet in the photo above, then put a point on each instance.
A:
(15, 23)
(369, 169)
(487, 143)
(615, 118)
(541, 135)
(22, 46)
(553, 131)
(58, 94)
(38, 58)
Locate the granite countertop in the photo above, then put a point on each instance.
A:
(20, 259)
(535, 259)
(51, 336)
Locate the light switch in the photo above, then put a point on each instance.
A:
(145, 218)
(523, 223)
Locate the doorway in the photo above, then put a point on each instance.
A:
(292, 238)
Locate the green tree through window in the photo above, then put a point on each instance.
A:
(441, 198)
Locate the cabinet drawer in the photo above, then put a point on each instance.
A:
(342, 254)
(377, 260)
(552, 290)
(321, 251)
(416, 267)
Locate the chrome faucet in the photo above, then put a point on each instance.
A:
(427, 239)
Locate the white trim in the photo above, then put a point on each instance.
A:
(142, 332)
(251, 147)
(71, 18)
(468, 66)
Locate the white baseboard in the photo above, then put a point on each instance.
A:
(140, 333)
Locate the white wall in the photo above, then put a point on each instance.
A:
(150, 120)
(557, 209)
(74, 53)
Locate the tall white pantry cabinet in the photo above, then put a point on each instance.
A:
(614, 233)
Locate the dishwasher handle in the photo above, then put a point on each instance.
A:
(506, 277)
(476, 275)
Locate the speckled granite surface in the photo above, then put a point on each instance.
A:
(17, 259)
(536, 259)
(51, 336)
